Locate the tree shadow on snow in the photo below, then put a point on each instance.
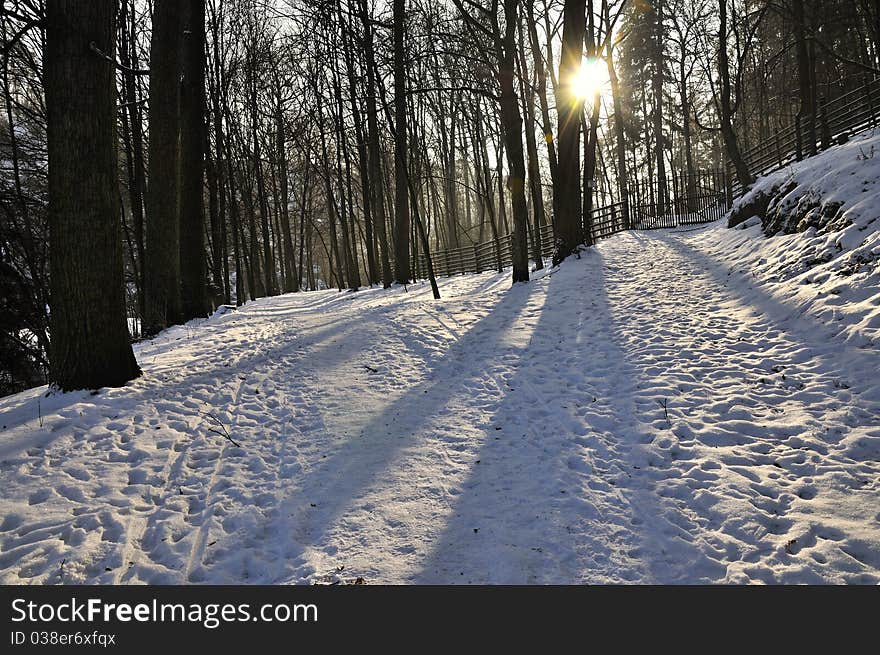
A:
(546, 500)
(338, 491)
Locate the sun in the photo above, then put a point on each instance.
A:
(591, 80)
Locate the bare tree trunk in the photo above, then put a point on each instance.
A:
(90, 345)
(302, 221)
(591, 139)
(726, 111)
(217, 87)
(657, 89)
(330, 202)
(528, 97)
(128, 58)
(690, 177)
(511, 122)
(162, 305)
(401, 205)
(363, 165)
(346, 219)
(375, 168)
(291, 282)
(487, 186)
(619, 131)
(194, 296)
(569, 109)
(807, 110)
(541, 76)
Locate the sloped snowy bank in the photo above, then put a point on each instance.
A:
(823, 219)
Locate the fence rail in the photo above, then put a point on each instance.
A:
(841, 116)
(606, 221)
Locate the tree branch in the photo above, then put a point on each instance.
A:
(94, 48)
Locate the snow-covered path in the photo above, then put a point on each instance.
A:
(644, 414)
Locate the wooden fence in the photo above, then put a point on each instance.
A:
(606, 221)
(691, 210)
(840, 117)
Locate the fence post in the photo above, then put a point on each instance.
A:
(798, 144)
(627, 222)
(811, 133)
(477, 258)
(778, 148)
(823, 118)
(870, 101)
(589, 228)
(727, 181)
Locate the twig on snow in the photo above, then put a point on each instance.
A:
(662, 404)
(224, 433)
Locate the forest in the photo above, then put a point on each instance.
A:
(437, 292)
(243, 149)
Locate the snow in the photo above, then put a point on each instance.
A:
(846, 174)
(832, 272)
(669, 408)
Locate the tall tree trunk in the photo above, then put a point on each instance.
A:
(90, 345)
(269, 284)
(569, 109)
(657, 89)
(212, 175)
(619, 129)
(725, 103)
(235, 215)
(807, 110)
(401, 200)
(346, 219)
(291, 282)
(511, 122)
(129, 58)
(541, 76)
(528, 97)
(690, 176)
(375, 169)
(500, 151)
(330, 202)
(271, 287)
(256, 283)
(591, 145)
(162, 305)
(217, 88)
(419, 226)
(302, 221)
(193, 269)
(363, 160)
(487, 185)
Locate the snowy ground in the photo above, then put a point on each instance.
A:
(649, 413)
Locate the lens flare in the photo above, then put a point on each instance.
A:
(591, 80)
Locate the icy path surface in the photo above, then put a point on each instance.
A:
(644, 414)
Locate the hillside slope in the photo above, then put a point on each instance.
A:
(670, 408)
(823, 215)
